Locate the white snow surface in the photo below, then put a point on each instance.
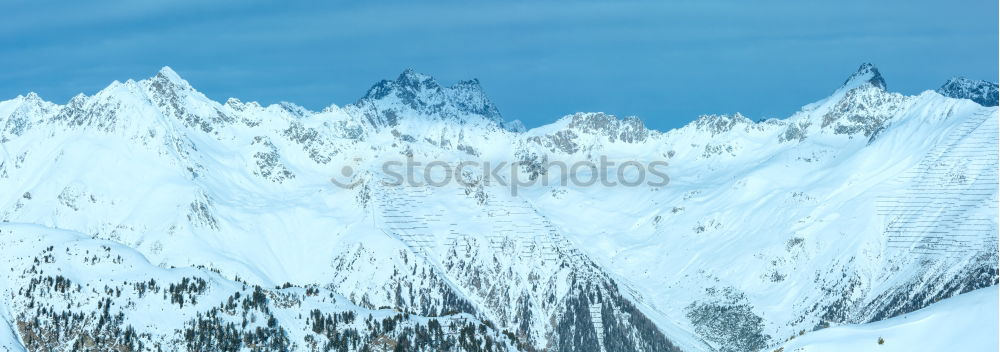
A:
(863, 206)
(966, 322)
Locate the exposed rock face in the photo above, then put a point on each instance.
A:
(585, 132)
(864, 109)
(416, 95)
(629, 130)
(866, 74)
(982, 92)
(29, 108)
(719, 124)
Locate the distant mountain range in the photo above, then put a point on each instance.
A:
(149, 217)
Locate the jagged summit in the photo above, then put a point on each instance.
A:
(861, 105)
(409, 82)
(718, 124)
(32, 96)
(411, 78)
(515, 126)
(866, 73)
(167, 74)
(982, 92)
(414, 94)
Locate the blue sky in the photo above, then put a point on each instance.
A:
(664, 61)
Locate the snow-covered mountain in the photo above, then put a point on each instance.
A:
(982, 92)
(414, 94)
(148, 199)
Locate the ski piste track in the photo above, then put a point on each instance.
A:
(517, 230)
(939, 210)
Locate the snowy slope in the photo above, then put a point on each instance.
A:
(862, 206)
(86, 293)
(966, 322)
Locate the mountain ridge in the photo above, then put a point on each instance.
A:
(766, 228)
(412, 88)
(982, 92)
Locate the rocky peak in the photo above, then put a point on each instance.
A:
(168, 90)
(28, 108)
(515, 126)
(413, 79)
(982, 92)
(175, 97)
(469, 96)
(719, 124)
(33, 97)
(407, 86)
(414, 94)
(629, 130)
(167, 78)
(866, 74)
(294, 109)
(863, 106)
(33, 102)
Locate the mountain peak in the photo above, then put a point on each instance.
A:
(982, 92)
(469, 82)
(866, 73)
(412, 78)
(32, 96)
(418, 94)
(168, 75)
